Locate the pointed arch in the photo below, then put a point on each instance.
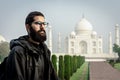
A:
(83, 47)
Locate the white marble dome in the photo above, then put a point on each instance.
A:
(83, 25)
(94, 33)
(116, 24)
(72, 33)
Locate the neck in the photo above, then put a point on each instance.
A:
(31, 40)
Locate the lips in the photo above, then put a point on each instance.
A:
(42, 33)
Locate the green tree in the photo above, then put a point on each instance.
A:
(71, 65)
(61, 68)
(75, 63)
(67, 67)
(116, 49)
(54, 61)
(4, 50)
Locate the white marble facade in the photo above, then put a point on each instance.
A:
(84, 40)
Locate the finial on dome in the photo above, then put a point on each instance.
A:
(83, 16)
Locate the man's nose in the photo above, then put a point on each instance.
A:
(42, 26)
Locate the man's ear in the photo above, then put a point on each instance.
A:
(27, 28)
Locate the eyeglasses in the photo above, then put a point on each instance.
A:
(41, 23)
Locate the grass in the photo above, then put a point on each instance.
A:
(117, 66)
(82, 73)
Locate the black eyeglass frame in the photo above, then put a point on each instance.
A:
(40, 23)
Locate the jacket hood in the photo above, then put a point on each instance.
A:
(21, 41)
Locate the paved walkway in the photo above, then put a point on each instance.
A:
(103, 71)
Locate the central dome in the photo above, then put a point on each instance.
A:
(83, 26)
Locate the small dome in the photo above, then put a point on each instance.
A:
(83, 27)
(72, 33)
(116, 24)
(2, 39)
(94, 33)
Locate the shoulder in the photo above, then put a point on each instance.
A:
(19, 45)
(17, 51)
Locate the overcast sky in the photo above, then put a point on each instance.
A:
(63, 15)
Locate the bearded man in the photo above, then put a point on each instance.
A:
(29, 58)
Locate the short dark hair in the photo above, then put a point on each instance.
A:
(31, 15)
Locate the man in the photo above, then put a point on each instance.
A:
(29, 58)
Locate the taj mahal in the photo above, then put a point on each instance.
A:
(85, 42)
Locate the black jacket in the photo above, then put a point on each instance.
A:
(28, 61)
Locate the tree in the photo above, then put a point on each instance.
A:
(61, 68)
(67, 67)
(116, 49)
(54, 61)
(75, 63)
(4, 50)
(71, 65)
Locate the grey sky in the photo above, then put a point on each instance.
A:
(61, 14)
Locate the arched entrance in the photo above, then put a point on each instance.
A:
(83, 47)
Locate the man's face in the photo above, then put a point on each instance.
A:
(37, 29)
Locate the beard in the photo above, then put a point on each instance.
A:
(39, 36)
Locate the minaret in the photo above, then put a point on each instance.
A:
(110, 43)
(117, 34)
(50, 38)
(59, 42)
